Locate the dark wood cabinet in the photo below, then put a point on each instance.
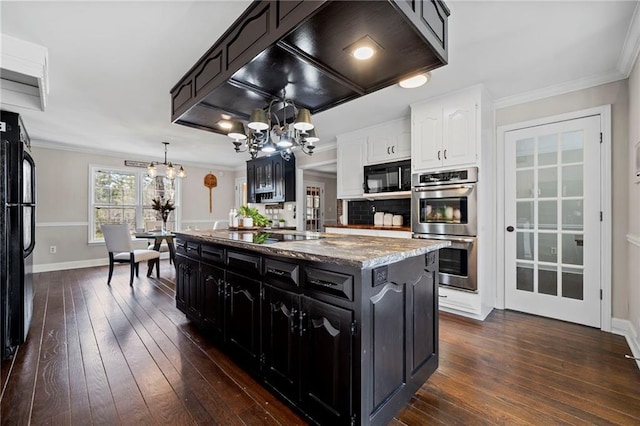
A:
(242, 317)
(281, 341)
(251, 178)
(326, 354)
(213, 294)
(345, 345)
(188, 296)
(271, 179)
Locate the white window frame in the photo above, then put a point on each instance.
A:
(140, 175)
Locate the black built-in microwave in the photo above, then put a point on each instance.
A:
(387, 177)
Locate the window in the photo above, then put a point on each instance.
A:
(125, 196)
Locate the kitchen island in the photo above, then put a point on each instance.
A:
(344, 328)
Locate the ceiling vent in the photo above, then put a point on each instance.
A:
(24, 77)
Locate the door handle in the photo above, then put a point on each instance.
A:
(510, 228)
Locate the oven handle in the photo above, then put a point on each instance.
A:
(443, 237)
(440, 188)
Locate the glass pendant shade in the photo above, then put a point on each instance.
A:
(237, 131)
(182, 173)
(258, 120)
(152, 170)
(171, 171)
(303, 121)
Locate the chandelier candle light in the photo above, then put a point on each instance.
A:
(281, 128)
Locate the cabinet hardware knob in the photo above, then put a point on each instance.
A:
(439, 155)
(510, 228)
(442, 296)
(445, 154)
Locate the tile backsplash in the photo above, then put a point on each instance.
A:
(361, 212)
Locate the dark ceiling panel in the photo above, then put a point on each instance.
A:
(276, 71)
(326, 35)
(299, 48)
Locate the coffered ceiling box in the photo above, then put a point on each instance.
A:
(304, 49)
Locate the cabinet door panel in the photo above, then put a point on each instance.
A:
(424, 292)
(213, 298)
(242, 316)
(192, 289)
(387, 308)
(379, 148)
(278, 180)
(280, 345)
(459, 133)
(350, 174)
(179, 263)
(326, 371)
(426, 142)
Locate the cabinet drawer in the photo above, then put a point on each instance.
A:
(282, 274)
(334, 283)
(212, 254)
(246, 263)
(187, 248)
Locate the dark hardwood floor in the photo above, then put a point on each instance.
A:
(109, 355)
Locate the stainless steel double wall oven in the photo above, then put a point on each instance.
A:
(444, 206)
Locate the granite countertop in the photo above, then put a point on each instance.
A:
(382, 228)
(348, 250)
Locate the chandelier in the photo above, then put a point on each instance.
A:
(280, 128)
(170, 171)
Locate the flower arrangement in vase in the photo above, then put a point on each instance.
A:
(163, 207)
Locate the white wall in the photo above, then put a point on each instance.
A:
(616, 94)
(633, 197)
(62, 212)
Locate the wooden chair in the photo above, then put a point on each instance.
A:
(118, 241)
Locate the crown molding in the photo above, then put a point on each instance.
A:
(115, 154)
(631, 45)
(559, 89)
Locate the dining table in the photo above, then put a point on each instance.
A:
(158, 237)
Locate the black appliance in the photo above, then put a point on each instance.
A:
(17, 231)
(387, 177)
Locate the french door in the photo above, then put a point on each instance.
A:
(552, 219)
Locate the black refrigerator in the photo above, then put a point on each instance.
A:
(17, 231)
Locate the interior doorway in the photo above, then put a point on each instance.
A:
(314, 206)
(556, 254)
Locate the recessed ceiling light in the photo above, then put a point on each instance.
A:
(363, 48)
(364, 52)
(225, 116)
(224, 124)
(415, 81)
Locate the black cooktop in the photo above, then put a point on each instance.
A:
(271, 237)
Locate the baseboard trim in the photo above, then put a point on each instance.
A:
(63, 266)
(79, 264)
(480, 317)
(625, 328)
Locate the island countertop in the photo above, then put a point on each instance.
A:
(347, 250)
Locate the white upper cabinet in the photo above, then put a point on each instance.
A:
(446, 131)
(351, 153)
(389, 142)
